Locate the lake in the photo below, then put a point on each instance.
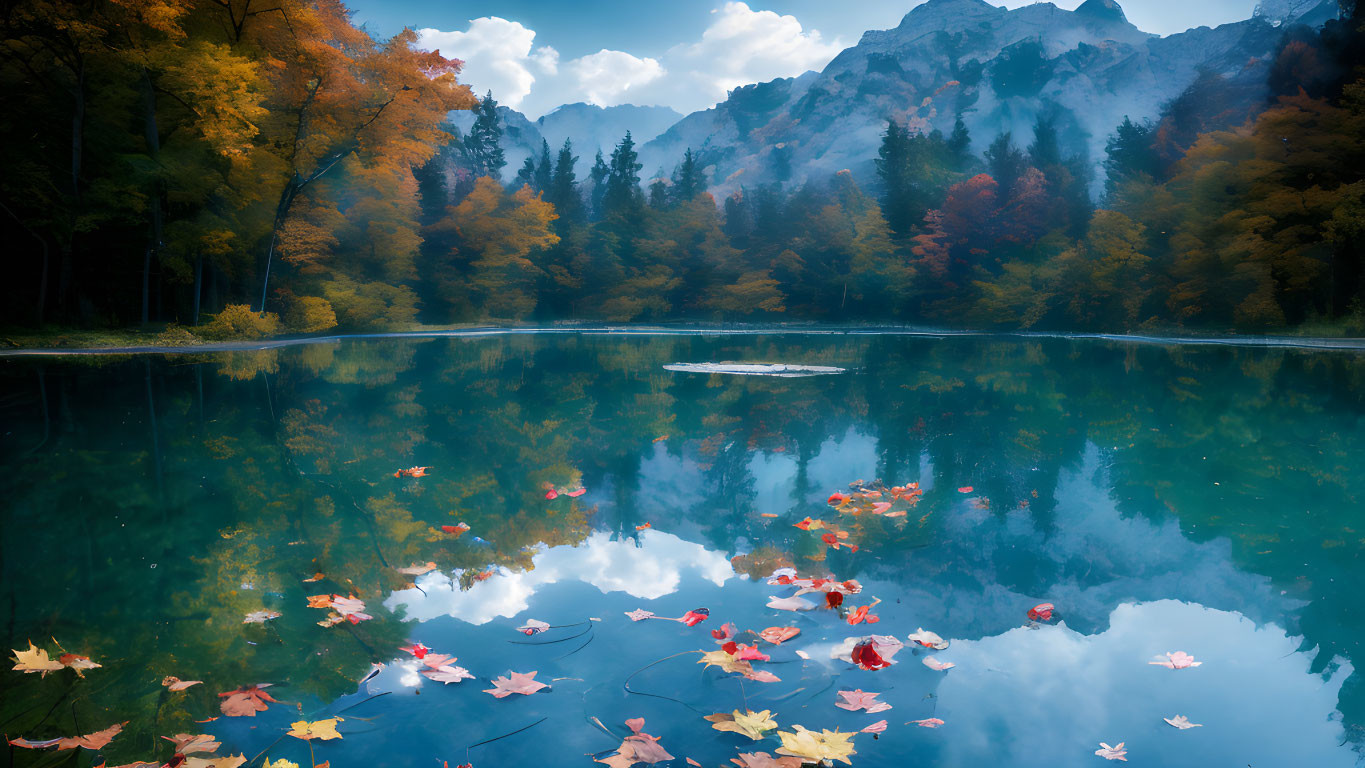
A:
(1164, 499)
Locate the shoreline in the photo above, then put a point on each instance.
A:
(1267, 341)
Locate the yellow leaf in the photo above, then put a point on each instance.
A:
(725, 661)
(35, 659)
(319, 729)
(750, 723)
(280, 764)
(814, 747)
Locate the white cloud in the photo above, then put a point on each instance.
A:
(739, 47)
(743, 46)
(497, 55)
(607, 77)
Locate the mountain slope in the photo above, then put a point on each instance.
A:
(999, 70)
(592, 128)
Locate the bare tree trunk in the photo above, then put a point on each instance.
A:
(41, 304)
(281, 211)
(198, 284)
(77, 150)
(153, 150)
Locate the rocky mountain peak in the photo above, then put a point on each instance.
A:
(1103, 10)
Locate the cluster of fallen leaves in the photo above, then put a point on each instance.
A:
(342, 609)
(737, 653)
(437, 666)
(36, 659)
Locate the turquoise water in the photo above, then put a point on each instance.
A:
(1162, 498)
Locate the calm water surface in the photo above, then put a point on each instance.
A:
(1164, 499)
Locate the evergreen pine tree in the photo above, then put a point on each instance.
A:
(894, 169)
(1004, 162)
(1044, 151)
(960, 147)
(623, 194)
(544, 175)
(483, 146)
(658, 195)
(563, 193)
(687, 179)
(526, 177)
(598, 176)
(1130, 154)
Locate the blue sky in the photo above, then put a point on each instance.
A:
(537, 54)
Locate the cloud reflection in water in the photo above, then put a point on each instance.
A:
(649, 571)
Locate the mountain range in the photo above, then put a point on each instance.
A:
(997, 70)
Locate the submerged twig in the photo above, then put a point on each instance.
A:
(551, 642)
(505, 735)
(579, 648)
(626, 684)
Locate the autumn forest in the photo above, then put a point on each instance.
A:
(236, 169)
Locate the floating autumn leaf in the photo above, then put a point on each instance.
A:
(755, 725)
(639, 747)
(640, 614)
(965, 489)
(726, 661)
(325, 730)
(928, 639)
(416, 649)
(187, 744)
(532, 626)
(350, 608)
(928, 722)
(877, 727)
(260, 617)
(808, 524)
(230, 761)
(779, 635)
(726, 631)
(790, 603)
(455, 530)
(281, 763)
(872, 652)
(95, 740)
(176, 684)
(936, 665)
(319, 576)
(245, 702)
(412, 472)
(1041, 612)
(695, 616)
(35, 659)
(814, 747)
(343, 609)
(1177, 660)
(1116, 752)
(520, 682)
(861, 613)
(447, 673)
(764, 760)
(860, 699)
(417, 569)
(1181, 722)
